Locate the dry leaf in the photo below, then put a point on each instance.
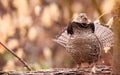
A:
(106, 49)
(20, 53)
(2, 50)
(13, 43)
(107, 5)
(50, 14)
(37, 10)
(110, 22)
(47, 53)
(32, 33)
(10, 65)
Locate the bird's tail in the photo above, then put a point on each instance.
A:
(103, 33)
(62, 37)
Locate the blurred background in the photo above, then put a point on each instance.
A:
(28, 26)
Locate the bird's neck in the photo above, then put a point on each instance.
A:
(82, 31)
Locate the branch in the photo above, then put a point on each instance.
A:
(97, 6)
(22, 61)
(100, 70)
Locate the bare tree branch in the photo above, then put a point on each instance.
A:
(97, 6)
(22, 61)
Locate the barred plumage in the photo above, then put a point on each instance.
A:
(103, 33)
(85, 45)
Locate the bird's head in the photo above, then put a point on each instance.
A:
(80, 21)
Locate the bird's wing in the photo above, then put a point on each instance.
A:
(62, 37)
(104, 34)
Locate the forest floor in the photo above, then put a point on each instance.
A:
(99, 70)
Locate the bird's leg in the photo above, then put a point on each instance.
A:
(85, 65)
(82, 66)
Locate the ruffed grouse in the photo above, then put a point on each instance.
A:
(84, 40)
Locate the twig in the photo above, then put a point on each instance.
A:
(22, 61)
(98, 9)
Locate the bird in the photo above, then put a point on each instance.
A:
(84, 40)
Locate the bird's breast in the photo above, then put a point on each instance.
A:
(84, 47)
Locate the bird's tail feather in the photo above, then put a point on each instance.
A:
(62, 38)
(103, 33)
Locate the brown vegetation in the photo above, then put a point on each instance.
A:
(28, 26)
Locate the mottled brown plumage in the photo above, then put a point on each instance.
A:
(84, 40)
(83, 45)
